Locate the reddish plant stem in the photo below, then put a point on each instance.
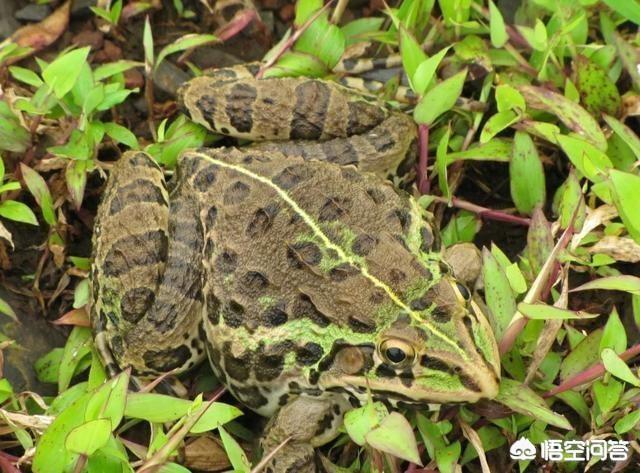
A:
(485, 212)
(535, 293)
(591, 373)
(423, 160)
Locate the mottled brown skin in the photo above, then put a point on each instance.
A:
(304, 279)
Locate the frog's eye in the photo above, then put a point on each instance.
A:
(397, 352)
(464, 292)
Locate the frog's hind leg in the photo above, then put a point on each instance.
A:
(146, 272)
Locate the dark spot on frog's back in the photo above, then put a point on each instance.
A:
(404, 217)
(291, 176)
(269, 367)
(135, 303)
(309, 354)
(236, 368)
(236, 193)
(363, 244)
(233, 314)
(213, 309)
(207, 106)
(275, 315)
(434, 364)
(310, 110)
(250, 396)
(227, 261)
(382, 143)
(239, 107)
(138, 191)
(135, 250)
(333, 208)
(341, 151)
(262, 220)
(376, 195)
(363, 116)
(166, 360)
(143, 160)
(361, 326)
(303, 306)
(205, 178)
(427, 239)
(303, 254)
(343, 271)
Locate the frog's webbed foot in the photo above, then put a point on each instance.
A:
(304, 423)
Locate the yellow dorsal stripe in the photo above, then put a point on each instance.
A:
(329, 244)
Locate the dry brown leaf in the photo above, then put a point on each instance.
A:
(595, 218)
(78, 317)
(38, 36)
(620, 248)
(4, 233)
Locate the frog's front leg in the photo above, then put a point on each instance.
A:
(146, 274)
(305, 423)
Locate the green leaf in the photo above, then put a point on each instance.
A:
(497, 27)
(62, 73)
(38, 188)
(426, 71)
(440, 99)
(305, 9)
(18, 212)
(105, 71)
(13, 136)
(184, 42)
(617, 367)
(527, 181)
(51, 454)
(571, 114)
(508, 98)
(624, 132)
(571, 201)
(81, 294)
(447, 457)
(624, 187)
(394, 435)
(548, 312)
(524, 400)
(89, 437)
(78, 346)
(109, 400)
(442, 162)
(607, 395)
(628, 422)
(629, 57)
(214, 416)
(625, 283)
(25, 75)
(76, 178)
(6, 309)
(462, 227)
(585, 354)
(324, 41)
(598, 93)
(359, 422)
(295, 64)
(359, 30)
(121, 134)
(495, 150)
(498, 293)
(497, 123)
(629, 9)
(614, 335)
(412, 55)
(47, 366)
(236, 455)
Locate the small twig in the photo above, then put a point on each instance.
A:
(485, 212)
(338, 11)
(423, 160)
(591, 373)
(289, 43)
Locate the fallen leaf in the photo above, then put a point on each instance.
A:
(621, 248)
(38, 36)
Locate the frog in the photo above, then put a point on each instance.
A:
(307, 279)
